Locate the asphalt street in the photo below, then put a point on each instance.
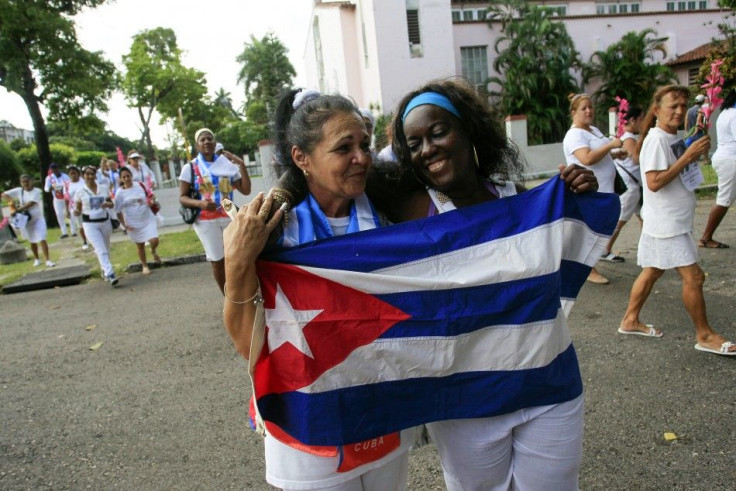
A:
(162, 402)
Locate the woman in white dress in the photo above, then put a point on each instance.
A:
(132, 205)
(92, 202)
(27, 201)
(584, 144)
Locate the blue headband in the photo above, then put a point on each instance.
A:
(433, 98)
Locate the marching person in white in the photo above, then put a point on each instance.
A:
(584, 144)
(631, 174)
(666, 240)
(28, 216)
(56, 183)
(134, 212)
(75, 184)
(140, 171)
(92, 203)
(214, 177)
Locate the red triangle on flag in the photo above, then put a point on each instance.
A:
(348, 320)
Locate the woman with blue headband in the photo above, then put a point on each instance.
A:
(454, 147)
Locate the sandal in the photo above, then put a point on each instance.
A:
(712, 244)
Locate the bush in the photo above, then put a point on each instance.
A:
(63, 154)
(28, 159)
(89, 158)
(10, 169)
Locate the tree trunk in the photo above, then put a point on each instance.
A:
(42, 140)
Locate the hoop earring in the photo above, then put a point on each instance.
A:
(475, 154)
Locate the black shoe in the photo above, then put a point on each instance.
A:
(64, 236)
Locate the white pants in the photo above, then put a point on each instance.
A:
(538, 448)
(98, 234)
(75, 222)
(60, 210)
(392, 476)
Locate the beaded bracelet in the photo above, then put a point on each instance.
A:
(256, 298)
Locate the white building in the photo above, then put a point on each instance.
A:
(8, 133)
(378, 50)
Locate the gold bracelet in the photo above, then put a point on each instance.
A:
(256, 298)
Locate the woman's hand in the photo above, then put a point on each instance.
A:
(207, 205)
(699, 147)
(233, 158)
(246, 236)
(578, 179)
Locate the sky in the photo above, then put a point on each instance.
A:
(211, 34)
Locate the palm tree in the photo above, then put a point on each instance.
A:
(628, 69)
(266, 70)
(223, 98)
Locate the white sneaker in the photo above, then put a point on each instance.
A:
(85, 247)
(50, 264)
(36, 263)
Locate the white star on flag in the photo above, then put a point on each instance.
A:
(286, 324)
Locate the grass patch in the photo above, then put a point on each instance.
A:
(122, 253)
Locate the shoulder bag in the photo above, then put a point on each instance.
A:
(189, 214)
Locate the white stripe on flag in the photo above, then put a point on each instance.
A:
(532, 253)
(514, 347)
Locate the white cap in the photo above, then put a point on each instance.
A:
(219, 147)
(699, 98)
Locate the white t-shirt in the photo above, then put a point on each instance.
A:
(133, 203)
(91, 201)
(143, 174)
(604, 169)
(56, 184)
(24, 197)
(726, 131)
(73, 188)
(628, 163)
(669, 211)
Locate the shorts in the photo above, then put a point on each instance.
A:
(667, 253)
(726, 171)
(630, 199)
(210, 235)
(35, 230)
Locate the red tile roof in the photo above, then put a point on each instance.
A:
(696, 55)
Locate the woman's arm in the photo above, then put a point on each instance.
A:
(243, 184)
(586, 156)
(629, 145)
(657, 179)
(244, 240)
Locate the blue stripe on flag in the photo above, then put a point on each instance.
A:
(464, 310)
(376, 249)
(340, 417)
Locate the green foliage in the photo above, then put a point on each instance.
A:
(42, 61)
(71, 141)
(724, 48)
(241, 137)
(266, 70)
(10, 169)
(63, 154)
(155, 79)
(383, 122)
(28, 159)
(18, 143)
(89, 158)
(256, 112)
(628, 69)
(536, 57)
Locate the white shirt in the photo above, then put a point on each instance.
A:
(73, 188)
(604, 169)
(24, 197)
(91, 201)
(133, 203)
(726, 131)
(628, 163)
(669, 211)
(56, 184)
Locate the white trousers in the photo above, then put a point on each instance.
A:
(60, 210)
(538, 448)
(75, 222)
(98, 234)
(392, 476)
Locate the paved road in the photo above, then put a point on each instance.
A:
(162, 403)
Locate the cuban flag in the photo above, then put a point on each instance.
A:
(461, 315)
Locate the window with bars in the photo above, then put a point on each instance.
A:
(474, 60)
(702, 5)
(455, 16)
(412, 22)
(692, 75)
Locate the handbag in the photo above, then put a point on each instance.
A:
(188, 214)
(153, 204)
(619, 186)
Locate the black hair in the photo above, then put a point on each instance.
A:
(125, 169)
(730, 100)
(498, 156)
(633, 112)
(302, 127)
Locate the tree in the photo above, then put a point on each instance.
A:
(155, 79)
(42, 61)
(628, 69)
(10, 169)
(266, 70)
(223, 99)
(535, 58)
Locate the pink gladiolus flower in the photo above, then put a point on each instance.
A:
(713, 88)
(623, 107)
